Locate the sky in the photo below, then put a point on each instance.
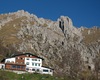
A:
(82, 12)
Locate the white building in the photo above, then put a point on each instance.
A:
(12, 60)
(27, 62)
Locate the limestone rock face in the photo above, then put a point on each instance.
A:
(62, 45)
(69, 31)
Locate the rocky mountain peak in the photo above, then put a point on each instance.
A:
(21, 13)
(69, 31)
(60, 43)
(66, 20)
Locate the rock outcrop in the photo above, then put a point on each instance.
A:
(64, 47)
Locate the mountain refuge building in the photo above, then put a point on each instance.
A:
(27, 62)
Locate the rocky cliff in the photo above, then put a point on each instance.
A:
(64, 47)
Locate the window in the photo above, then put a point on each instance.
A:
(33, 69)
(18, 66)
(35, 64)
(21, 58)
(13, 66)
(45, 70)
(50, 70)
(32, 64)
(37, 70)
(8, 61)
(27, 63)
(27, 58)
(22, 67)
(35, 59)
(27, 69)
(39, 60)
(38, 64)
(32, 59)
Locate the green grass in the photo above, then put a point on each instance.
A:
(6, 75)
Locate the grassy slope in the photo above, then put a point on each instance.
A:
(92, 37)
(5, 75)
(8, 31)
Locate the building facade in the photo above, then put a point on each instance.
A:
(27, 62)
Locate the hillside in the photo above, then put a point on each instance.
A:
(70, 51)
(5, 75)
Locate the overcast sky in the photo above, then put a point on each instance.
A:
(82, 12)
